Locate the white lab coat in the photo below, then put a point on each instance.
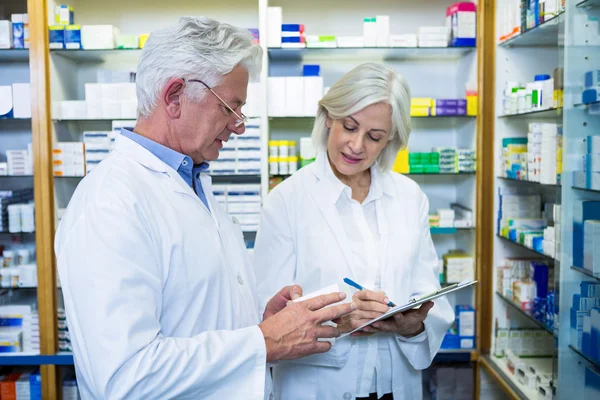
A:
(159, 293)
(301, 240)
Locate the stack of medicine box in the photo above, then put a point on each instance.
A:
(551, 136)
(443, 219)
(582, 212)
(461, 22)
(514, 158)
(22, 384)
(523, 342)
(448, 161)
(295, 96)
(433, 36)
(308, 153)
(64, 338)
(426, 106)
(20, 329)
(241, 202)
(591, 246)
(458, 266)
(401, 164)
(15, 101)
(292, 36)
(19, 162)
(462, 334)
(466, 160)
(589, 178)
(516, 204)
(8, 197)
(68, 159)
(376, 31)
(591, 83)
(14, 33)
(585, 320)
(98, 144)
(424, 163)
(102, 101)
(241, 154)
(321, 42)
(527, 231)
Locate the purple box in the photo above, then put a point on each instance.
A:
(451, 103)
(449, 111)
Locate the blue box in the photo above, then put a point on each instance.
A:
(589, 289)
(56, 34)
(73, 37)
(590, 96)
(292, 28)
(592, 163)
(583, 211)
(592, 384)
(593, 144)
(591, 79)
(538, 273)
(451, 341)
(311, 70)
(292, 39)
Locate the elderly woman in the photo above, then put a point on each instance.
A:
(348, 215)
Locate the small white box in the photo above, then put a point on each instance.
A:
(370, 32)
(111, 109)
(93, 92)
(5, 34)
(98, 37)
(129, 109)
(313, 92)
(294, 96)
(383, 30)
(127, 92)
(274, 21)
(21, 100)
(73, 109)
(6, 101)
(276, 96)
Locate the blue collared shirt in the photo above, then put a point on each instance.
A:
(179, 162)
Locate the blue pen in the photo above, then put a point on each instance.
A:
(356, 285)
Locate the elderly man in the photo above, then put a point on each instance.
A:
(158, 289)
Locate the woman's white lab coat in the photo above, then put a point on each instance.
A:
(159, 293)
(301, 240)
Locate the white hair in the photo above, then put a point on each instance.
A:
(194, 48)
(363, 86)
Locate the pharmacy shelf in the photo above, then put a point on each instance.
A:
(369, 53)
(35, 359)
(13, 55)
(58, 120)
(527, 314)
(586, 358)
(585, 189)
(96, 56)
(237, 178)
(589, 4)
(528, 248)
(15, 176)
(440, 174)
(585, 105)
(14, 119)
(586, 272)
(547, 113)
(543, 35)
(449, 231)
(498, 369)
(528, 182)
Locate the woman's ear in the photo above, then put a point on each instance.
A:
(328, 121)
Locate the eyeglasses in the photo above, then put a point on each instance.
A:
(241, 118)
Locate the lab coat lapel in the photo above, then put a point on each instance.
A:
(325, 196)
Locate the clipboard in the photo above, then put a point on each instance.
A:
(414, 303)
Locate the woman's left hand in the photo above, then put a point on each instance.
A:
(407, 324)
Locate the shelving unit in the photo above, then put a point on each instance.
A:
(581, 55)
(518, 59)
(366, 54)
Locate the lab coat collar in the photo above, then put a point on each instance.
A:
(381, 182)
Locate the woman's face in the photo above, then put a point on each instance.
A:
(356, 141)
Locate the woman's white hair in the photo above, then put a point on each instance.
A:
(194, 48)
(363, 86)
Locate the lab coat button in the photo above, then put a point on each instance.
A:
(240, 280)
(185, 163)
(347, 396)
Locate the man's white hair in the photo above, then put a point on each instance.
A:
(363, 86)
(194, 48)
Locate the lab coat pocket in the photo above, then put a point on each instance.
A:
(336, 357)
(294, 382)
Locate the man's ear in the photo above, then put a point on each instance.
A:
(172, 97)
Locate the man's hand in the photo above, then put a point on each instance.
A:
(293, 332)
(369, 305)
(407, 324)
(279, 301)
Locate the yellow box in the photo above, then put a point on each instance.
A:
(472, 105)
(143, 39)
(401, 164)
(419, 111)
(421, 102)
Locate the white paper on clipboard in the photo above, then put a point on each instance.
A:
(415, 303)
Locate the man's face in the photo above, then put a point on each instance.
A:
(204, 126)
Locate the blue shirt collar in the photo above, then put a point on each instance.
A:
(179, 162)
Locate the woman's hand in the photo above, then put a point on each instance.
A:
(369, 305)
(407, 324)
